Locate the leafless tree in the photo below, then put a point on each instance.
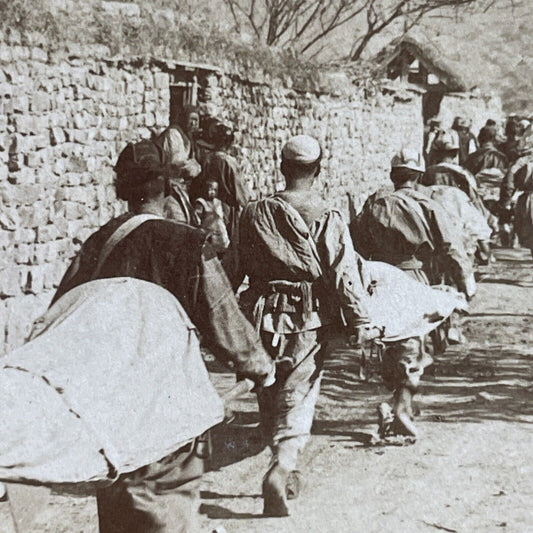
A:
(301, 24)
(380, 14)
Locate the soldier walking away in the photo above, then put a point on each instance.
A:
(467, 140)
(303, 272)
(407, 229)
(446, 171)
(488, 156)
(434, 127)
(515, 143)
(519, 178)
(161, 497)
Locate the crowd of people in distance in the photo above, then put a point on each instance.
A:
(495, 165)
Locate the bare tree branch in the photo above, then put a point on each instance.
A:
(303, 24)
(333, 25)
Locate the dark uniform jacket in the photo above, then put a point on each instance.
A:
(176, 257)
(488, 156)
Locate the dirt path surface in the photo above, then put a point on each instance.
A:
(470, 471)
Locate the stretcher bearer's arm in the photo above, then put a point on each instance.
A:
(360, 233)
(341, 265)
(225, 330)
(449, 245)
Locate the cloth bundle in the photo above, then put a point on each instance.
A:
(111, 381)
(403, 307)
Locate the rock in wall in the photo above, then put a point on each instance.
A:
(358, 133)
(473, 107)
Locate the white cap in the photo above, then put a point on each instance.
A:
(302, 149)
(408, 158)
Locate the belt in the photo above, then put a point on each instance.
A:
(280, 296)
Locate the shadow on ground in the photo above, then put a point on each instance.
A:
(476, 384)
(471, 384)
(488, 378)
(236, 441)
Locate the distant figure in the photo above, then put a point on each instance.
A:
(429, 138)
(523, 219)
(210, 212)
(488, 156)
(219, 165)
(467, 140)
(177, 142)
(514, 145)
(448, 172)
(519, 211)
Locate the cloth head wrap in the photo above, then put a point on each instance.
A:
(138, 163)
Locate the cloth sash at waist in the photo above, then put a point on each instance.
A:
(280, 296)
(301, 299)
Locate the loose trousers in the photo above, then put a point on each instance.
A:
(159, 498)
(287, 408)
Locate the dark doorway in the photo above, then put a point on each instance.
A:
(183, 91)
(188, 83)
(431, 104)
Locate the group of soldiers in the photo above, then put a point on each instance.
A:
(499, 158)
(302, 262)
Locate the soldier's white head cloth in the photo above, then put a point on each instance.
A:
(302, 149)
(408, 158)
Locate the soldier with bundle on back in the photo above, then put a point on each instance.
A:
(409, 230)
(161, 497)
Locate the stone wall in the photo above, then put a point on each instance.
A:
(359, 133)
(62, 121)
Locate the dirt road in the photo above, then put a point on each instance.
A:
(470, 471)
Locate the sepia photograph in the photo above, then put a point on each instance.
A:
(266, 266)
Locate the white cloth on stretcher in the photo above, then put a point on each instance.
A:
(403, 307)
(111, 381)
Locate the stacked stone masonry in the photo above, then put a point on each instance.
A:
(358, 133)
(62, 122)
(474, 107)
(64, 119)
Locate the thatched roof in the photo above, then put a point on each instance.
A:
(428, 55)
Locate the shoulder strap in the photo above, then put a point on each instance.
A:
(312, 245)
(120, 233)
